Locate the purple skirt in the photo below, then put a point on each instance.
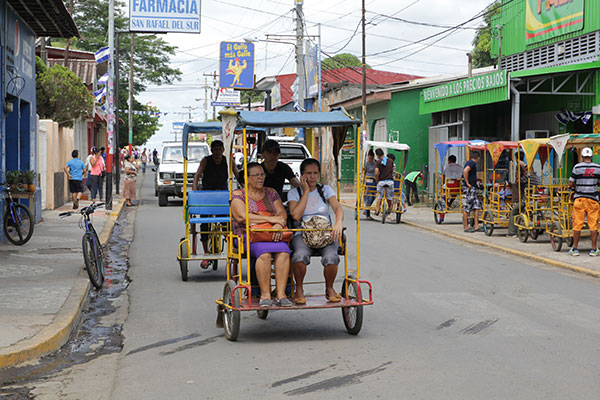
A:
(257, 249)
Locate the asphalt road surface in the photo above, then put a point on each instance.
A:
(450, 321)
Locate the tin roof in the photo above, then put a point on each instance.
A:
(46, 18)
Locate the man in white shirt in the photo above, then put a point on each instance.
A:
(452, 176)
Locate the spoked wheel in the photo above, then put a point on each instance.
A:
(523, 233)
(353, 316)
(569, 242)
(18, 225)
(384, 211)
(231, 318)
(488, 227)
(262, 314)
(398, 217)
(537, 224)
(183, 264)
(93, 260)
(437, 209)
(555, 239)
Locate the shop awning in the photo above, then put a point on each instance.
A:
(46, 18)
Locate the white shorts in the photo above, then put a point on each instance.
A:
(389, 191)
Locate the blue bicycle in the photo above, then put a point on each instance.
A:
(92, 249)
(17, 221)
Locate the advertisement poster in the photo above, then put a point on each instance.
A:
(546, 19)
(311, 65)
(236, 65)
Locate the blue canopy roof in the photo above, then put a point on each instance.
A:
(283, 119)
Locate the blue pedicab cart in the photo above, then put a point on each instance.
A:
(237, 293)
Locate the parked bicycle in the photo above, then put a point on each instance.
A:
(92, 249)
(17, 220)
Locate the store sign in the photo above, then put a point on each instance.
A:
(465, 86)
(181, 16)
(236, 65)
(227, 98)
(546, 19)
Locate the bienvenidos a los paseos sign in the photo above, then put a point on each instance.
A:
(181, 16)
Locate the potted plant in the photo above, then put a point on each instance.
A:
(12, 179)
(21, 185)
(30, 180)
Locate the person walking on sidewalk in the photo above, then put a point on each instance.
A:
(470, 200)
(102, 158)
(584, 179)
(129, 181)
(144, 159)
(410, 183)
(75, 169)
(96, 166)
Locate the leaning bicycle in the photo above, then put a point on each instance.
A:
(92, 249)
(17, 220)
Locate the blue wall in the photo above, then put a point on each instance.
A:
(17, 86)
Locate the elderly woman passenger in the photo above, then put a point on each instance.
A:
(313, 199)
(261, 198)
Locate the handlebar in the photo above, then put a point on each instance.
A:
(84, 211)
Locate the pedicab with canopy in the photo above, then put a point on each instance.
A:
(448, 192)
(560, 228)
(369, 187)
(237, 292)
(202, 206)
(497, 190)
(535, 207)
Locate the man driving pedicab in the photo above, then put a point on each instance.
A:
(451, 177)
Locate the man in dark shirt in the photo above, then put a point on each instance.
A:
(277, 171)
(384, 175)
(470, 200)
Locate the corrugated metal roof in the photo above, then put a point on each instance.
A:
(84, 69)
(46, 18)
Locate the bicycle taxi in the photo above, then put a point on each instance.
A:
(534, 210)
(237, 293)
(368, 188)
(448, 190)
(497, 190)
(201, 207)
(560, 227)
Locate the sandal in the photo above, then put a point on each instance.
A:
(300, 300)
(333, 299)
(204, 264)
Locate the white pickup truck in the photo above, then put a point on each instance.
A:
(169, 175)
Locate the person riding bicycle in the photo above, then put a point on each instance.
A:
(370, 182)
(384, 174)
(214, 172)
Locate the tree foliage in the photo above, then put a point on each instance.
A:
(144, 126)
(61, 95)
(482, 43)
(252, 96)
(343, 60)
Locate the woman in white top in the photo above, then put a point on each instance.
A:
(312, 199)
(129, 181)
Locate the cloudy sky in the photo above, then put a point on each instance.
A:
(390, 42)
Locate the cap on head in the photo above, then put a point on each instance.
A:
(587, 152)
(271, 146)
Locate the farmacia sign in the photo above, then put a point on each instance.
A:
(181, 16)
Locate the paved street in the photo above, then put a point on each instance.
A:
(450, 321)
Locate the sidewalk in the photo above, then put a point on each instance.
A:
(540, 250)
(43, 285)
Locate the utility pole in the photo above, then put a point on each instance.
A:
(215, 88)
(300, 60)
(110, 145)
(205, 98)
(364, 79)
(131, 95)
(117, 162)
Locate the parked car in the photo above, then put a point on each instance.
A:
(169, 174)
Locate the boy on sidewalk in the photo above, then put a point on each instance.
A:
(75, 169)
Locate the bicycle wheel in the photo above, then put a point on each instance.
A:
(93, 263)
(353, 316)
(384, 211)
(18, 224)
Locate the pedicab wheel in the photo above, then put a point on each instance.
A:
(353, 316)
(183, 264)
(384, 212)
(262, 314)
(231, 318)
(569, 242)
(355, 213)
(535, 233)
(523, 233)
(437, 208)
(556, 240)
(398, 217)
(488, 227)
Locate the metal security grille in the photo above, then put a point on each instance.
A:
(576, 50)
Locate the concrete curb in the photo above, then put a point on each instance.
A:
(55, 335)
(519, 253)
